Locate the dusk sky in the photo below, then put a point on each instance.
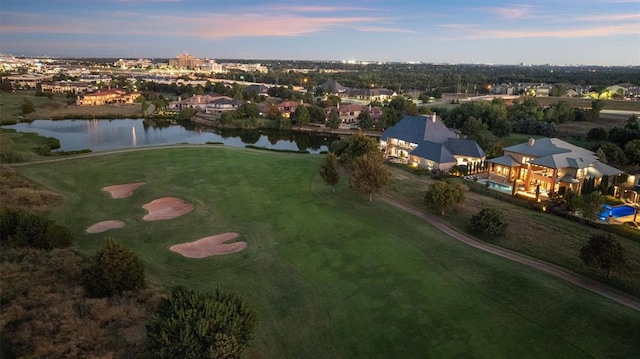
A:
(561, 32)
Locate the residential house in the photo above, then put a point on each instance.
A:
(261, 90)
(27, 81)
(368, 94)
(107, 97)
(549, 163)
(199, 102)
(286, 108)
(348, 113)
(217, 107)
(67, 86)
(426, 142)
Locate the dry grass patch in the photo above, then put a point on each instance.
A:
(18, 192)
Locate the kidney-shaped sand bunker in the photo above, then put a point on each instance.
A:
(166, 208)
(210, 246)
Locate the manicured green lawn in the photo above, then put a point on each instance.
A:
(330, 274)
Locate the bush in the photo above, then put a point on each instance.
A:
(23, 229)
(113, 270)
(197, 325)
(489, 222)
(58, 236)
(605, 252)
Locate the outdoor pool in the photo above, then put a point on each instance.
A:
(498, 186)
(615, 212)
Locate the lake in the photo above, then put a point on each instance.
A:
(105, 135)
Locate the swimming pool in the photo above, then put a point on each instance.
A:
(499, 186)
(615, 212)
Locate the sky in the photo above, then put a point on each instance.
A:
(559, 32)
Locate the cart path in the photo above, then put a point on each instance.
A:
(573, 278)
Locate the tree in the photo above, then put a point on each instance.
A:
(27, 106)
(273, 113)
(632, 123)
(613, 153)
(369, 174)
(366, 122)
(597, 134)
(632, 150)
(358, 145)
(334, 119)
(596, 107)
(444, 196)
(301, 115)
(605, 252)
(194, 325)
(590, 203)
(489, 222)
(329, 171)
(113, 270)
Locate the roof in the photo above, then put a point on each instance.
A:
(333, 86)
(433, 151)
(544, 147)
(599, 169)
(259, 89)
(464, 147)
(417, 129)
(370, 92)
(507, 161)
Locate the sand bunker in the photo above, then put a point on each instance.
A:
(166, 208)
(210, 246)
(105, 226)
(123, 190)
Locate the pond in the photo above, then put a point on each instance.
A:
(105, 135)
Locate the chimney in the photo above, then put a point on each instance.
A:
(532, 141)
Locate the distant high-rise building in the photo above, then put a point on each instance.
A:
(186, 61)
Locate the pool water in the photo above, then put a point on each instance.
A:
(499, 186)
(615, 212)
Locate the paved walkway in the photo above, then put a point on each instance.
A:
(576, 279)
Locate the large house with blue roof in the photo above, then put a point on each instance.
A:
(426, 142)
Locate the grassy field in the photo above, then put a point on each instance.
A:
(540, 235)
(330, 274)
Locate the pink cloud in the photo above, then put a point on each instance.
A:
(598, 31)
(385, 29)
(608, 17)
(513, 12)
(213, 26)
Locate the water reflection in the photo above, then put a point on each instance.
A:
(103, 135)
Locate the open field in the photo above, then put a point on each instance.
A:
(540, 235)
(330, 274)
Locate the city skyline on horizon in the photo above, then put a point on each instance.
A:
(589, 32)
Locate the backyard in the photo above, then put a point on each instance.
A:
(330, 274)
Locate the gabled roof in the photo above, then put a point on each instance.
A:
(417, 129)
(547, 146)
(599, 169)
(464, 147)
(433, 151)
(259, 89)
(333, 86)
(507, 161)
